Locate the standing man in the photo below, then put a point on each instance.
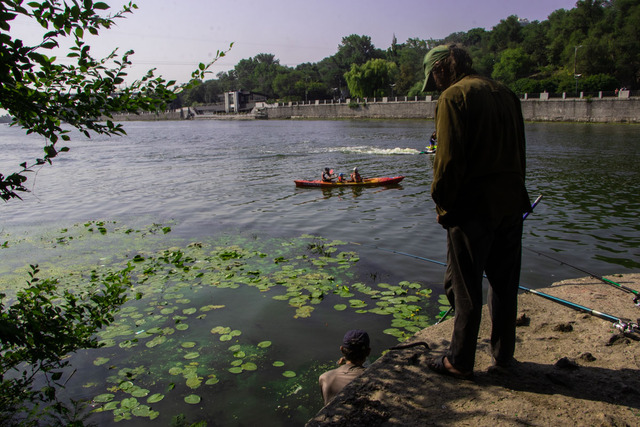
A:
(480, 195)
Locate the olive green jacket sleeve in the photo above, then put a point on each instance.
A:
(480, 164)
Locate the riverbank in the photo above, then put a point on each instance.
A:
(542, 109)
(575, 369)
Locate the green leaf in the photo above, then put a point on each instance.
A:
(154, 398)
(193, 399)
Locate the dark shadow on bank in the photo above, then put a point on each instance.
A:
(402, 391)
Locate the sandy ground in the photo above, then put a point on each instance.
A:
(575, 370)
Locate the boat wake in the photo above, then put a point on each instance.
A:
(377, 151)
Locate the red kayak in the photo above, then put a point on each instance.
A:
(367, 182)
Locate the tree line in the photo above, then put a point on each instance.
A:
(594, 46)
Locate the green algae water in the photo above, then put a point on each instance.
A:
(244, 284)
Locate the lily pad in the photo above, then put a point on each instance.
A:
(154, 398)
(141, 411)
(221, 330)
(194, 382)
(176, 370)
(103, 398)
(289, 374)
(188, 344)
(249, 366)
(193, 399)
(156, 341)
(264, 344)
(211, 307)
(126, 385)
(192, 355)
(100, 361)
(278, 363)
(129, 403)
(235, 370)
(340, 307)
(140, 392)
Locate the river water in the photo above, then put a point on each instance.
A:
(213, 178)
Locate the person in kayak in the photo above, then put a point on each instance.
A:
(355, 349)
(327, 175)
(341, 178)
(355, 176)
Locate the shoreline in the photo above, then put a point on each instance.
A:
(575, 369)
(577, 110)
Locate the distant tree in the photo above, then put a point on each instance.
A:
(372, 79)
(290, 85)
(508, 33)
(473, 37)
(513, 64)
(228, 80)
(535, 42)
(356, 49)
(258, 73)
(409, 60)
(558, 34)
(207, 92)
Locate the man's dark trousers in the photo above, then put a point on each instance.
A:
(476, 246)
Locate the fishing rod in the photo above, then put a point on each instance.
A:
(624, 325)
(533, 205)
(636, 294)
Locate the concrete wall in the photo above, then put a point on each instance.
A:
(147, 117)
(622, 110)
(353, 110)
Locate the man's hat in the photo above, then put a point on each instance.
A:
(356, 340)
(436, 54)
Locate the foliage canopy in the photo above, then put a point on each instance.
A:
(596, 37)
(41, 93)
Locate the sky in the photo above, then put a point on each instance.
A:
(175, 35)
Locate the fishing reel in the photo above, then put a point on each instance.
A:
(627, 326)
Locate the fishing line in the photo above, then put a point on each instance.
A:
(443, 315)
(636, 299)
(624, 325)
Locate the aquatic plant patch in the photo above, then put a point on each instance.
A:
(188, 333)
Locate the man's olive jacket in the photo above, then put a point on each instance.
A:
(479, 167)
